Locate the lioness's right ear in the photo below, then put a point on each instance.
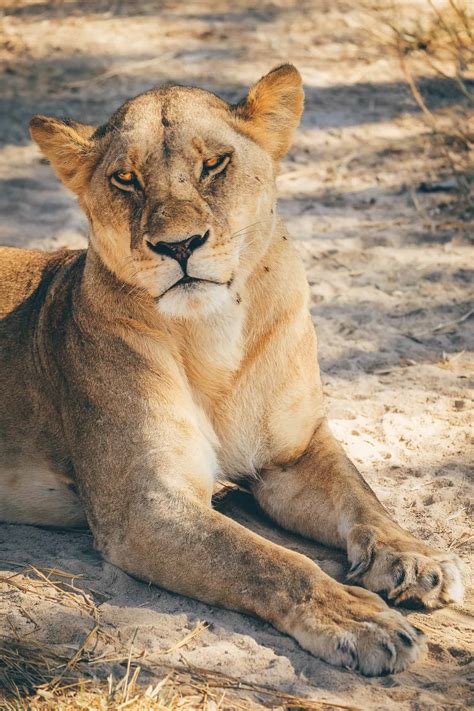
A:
(272, 109)
(67, 146)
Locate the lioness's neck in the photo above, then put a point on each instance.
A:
(110, 298)
(216, 343)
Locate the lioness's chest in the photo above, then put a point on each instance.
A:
(263, 406)
(256, 427)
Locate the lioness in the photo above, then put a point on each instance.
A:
(178, 349)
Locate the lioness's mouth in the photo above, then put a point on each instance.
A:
(187, 281)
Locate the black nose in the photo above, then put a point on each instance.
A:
(181, 251)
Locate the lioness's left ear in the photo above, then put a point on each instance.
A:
(272, 109)
(68, 147)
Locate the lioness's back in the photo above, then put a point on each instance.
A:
(32, 489)
(25, 279)
(21, 273)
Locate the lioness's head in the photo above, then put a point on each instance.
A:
(179, 186)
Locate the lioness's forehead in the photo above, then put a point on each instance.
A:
(170, 109)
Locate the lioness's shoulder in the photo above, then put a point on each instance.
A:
(23, 270)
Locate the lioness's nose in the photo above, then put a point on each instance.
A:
(182, 250)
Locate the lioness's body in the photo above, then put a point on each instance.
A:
(57, 344)
(179, 349)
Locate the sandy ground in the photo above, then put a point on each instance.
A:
(391, 281)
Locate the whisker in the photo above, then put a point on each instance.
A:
(246, 245)
(257, 222)
(243, 229)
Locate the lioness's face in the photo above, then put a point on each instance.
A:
(179, 187)
(176, 199)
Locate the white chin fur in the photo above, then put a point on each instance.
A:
(195, 302)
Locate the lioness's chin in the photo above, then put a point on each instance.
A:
(194, 302)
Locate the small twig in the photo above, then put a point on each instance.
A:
(200, 627)
(462, 540)
(30, 618)
(128, 68)
(446, 324)
(416, 92)
(73, 661)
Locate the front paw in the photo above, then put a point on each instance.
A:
(353, 628)
(404, 570)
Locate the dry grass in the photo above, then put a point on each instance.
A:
(435, 40)
(47, 677)
(40, 678)
(48, 582)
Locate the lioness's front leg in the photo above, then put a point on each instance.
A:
(183, 545)
(324, 497)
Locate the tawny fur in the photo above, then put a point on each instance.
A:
(125, 395)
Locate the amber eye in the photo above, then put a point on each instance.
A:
(215, 164)
(124, 179)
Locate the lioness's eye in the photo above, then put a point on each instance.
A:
(125, 180)
(215, 164)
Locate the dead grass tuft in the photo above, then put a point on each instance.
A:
(434, 44)
(49, 677)
(38, 677)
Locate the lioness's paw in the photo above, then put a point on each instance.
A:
(361, 633)
(405, 571)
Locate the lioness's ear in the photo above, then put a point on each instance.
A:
(67, 146)
(272, 109)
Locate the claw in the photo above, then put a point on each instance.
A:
(357, 569)
(406, 639)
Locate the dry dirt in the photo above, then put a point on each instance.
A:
(391, 284)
